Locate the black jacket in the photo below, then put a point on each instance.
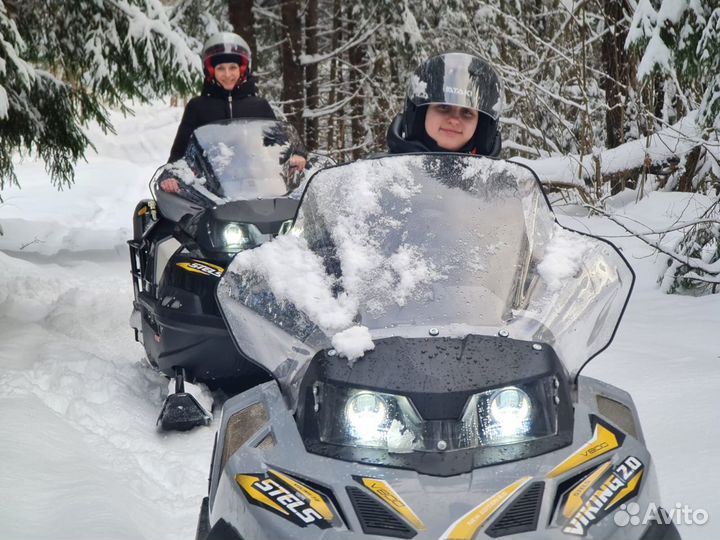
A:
(215, 103)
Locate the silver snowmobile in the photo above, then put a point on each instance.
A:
(427, 373)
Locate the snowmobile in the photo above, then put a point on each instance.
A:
(237, 192)
(426, 378)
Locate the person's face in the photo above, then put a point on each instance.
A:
(450, 126)
(227, 75)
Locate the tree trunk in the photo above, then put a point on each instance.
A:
(615, 59)
(240, 13)
(292, 91)
(335, 42)
(691, 164)
(356, 55)
(617, 76)
(312, 97)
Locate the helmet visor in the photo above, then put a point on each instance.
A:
(457, 79)
(227, 47)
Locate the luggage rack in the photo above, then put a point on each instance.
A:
(144, 217)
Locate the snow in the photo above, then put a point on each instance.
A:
(4, 105)
(80, 454)
(643, 23)
(671, 12)
(410, 28)
(656, 54)
(563, 257)
(297, 275)
(353, 342)
(647, 23)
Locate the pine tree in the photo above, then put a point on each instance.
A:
(680, 40)
(62, 64)
(707, 59)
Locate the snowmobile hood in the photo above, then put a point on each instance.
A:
(444, 245)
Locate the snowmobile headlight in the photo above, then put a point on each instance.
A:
(235, 234)
(510, 408)
(365, 412)
(501, 416)
(232, 236)
(513, 413)
(368, 419)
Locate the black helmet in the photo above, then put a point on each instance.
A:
(456, 79)
(226, 47)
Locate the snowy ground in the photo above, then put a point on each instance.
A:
(80, 456)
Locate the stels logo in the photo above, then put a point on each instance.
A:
(202, 267)
(288, 498)
(298, 508)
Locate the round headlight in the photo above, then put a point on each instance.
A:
(510, 409)
(365, 412)
(234, 234)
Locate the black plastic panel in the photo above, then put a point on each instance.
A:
(522, 515)
(375, 517)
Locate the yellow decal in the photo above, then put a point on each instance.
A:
(603, 441)
(247, 483)
(383, 490)
(575, 500)
(202, 267)
(143, 211)
(316, 501)
(467, 526)
(611, 488)
(628, 489)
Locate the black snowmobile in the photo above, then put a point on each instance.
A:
(238, 191)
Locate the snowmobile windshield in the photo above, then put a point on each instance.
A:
(241, 159)
(418, 245)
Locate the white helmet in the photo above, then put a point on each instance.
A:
(226, 47)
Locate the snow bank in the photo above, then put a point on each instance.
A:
(96, 212)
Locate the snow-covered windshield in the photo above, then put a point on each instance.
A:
(400, 245)
(242, 159)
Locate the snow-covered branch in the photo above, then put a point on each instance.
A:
(653, 151)
(360, 38)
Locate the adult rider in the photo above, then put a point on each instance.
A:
(229, 91)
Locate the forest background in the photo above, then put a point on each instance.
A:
(583, 81)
